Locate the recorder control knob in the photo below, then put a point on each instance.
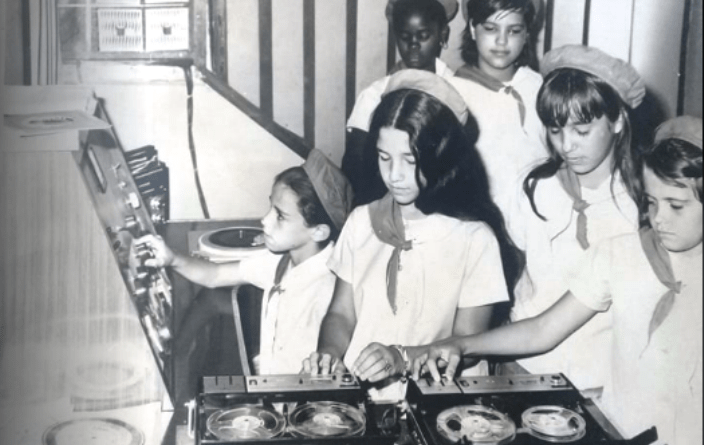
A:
(139, 290)
(131, 222)
(556, 380)
(347, 379)
(132, 200)
(141, 274)
(142, 252)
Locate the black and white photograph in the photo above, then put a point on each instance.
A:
(343, 222)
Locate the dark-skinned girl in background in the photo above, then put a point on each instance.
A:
(421, 32)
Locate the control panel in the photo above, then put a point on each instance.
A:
(125, 217)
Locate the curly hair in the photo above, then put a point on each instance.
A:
(432, 10)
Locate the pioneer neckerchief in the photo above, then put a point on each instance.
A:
(387, 224)
(570, 183)
(659, 261)
(476, 75)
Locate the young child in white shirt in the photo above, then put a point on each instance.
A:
(500, 87)
(426, 260)
(652, 283)
(576, 198)
(309, 205)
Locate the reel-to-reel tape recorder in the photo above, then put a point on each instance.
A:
(334, 409)
(290, 409)
(498, 410)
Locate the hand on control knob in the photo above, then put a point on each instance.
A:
(161, 254)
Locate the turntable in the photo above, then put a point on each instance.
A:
(498, 410)
(227, 244)
(289, 409)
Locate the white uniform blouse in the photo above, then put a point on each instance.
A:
(290, 320)
(554, 257)
(659, 384)
(453, 264)
(506, 147)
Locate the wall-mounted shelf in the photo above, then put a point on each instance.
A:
(126, 29)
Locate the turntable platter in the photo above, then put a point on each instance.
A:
(230, 243)
(97, 431)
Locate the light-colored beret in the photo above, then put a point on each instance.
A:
(451, 8)
(465, 11)
(686, 128)
(331, 186)
(620, 75)
(432, 84)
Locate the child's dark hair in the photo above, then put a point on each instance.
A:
(570, 93)
(454, 182)
(674, 161)
(432, 10)
(480, 10)
(309, 204)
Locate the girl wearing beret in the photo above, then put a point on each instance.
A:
(425, 261)
(500, 88)
(577, 198)
(309, 205)
(650, 282)
(421, 31)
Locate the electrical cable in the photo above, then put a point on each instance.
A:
(191, 142)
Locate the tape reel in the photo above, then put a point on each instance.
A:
(246, 422)
(478, 424)
(554, 424)
(326, 419)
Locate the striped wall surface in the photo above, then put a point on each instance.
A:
(273, 63)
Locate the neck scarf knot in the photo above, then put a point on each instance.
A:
(476, 75)
(570, 183)
(659, 261)
(387, 223)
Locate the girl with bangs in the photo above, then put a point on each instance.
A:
(576, 198)
(650, 283)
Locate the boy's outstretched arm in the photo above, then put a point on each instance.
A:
(194, 269)
(526, 337)
(335, 332)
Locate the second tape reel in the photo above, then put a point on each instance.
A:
(326, 419)
(554, 424)
(477, 424)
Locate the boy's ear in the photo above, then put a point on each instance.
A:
(321, 233)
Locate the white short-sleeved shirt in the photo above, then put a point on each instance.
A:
(291, 319)
(658, 383)
(370, 97)
(453, 264)
(554, 257)
(507, 148)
